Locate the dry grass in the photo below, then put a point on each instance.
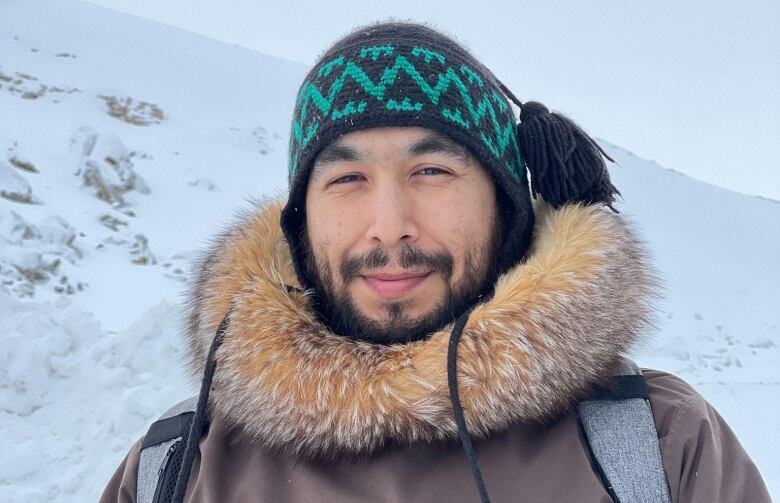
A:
(23, 164)
(28, 87)
(135, 112)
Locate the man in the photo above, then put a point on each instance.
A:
(408, 299)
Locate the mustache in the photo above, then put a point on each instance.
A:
(409, 257)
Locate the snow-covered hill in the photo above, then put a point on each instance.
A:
(125, 144)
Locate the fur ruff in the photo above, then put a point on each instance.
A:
(556, 325)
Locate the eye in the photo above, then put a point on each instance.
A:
(345, 179)
(431, 170)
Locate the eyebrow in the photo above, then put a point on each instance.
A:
(332, 154)
(431, 143)
(435, 143)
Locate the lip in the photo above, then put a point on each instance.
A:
(394, 285)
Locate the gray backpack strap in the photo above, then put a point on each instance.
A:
(159, 446)
(620, 431)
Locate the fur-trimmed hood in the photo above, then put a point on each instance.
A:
(555, 326)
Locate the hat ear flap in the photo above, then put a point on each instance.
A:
(566, 165)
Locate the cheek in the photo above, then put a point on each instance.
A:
(460, 221)
(329, 236)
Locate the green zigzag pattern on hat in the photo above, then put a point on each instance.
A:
(497, 136)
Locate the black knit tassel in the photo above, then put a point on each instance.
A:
(566, 165)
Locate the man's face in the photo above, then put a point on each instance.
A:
(402, 231)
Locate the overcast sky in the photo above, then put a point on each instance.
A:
(693, 84)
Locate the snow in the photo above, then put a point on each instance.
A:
(75, 396)
(136, 142)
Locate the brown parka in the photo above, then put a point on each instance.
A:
(299, 414)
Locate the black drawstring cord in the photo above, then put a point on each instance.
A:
(199, 420)
(452, 380)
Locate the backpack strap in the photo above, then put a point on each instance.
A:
(622, 438)
(161, 452)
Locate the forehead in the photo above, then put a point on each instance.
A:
(396, 137)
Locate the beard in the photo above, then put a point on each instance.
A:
(337, 309)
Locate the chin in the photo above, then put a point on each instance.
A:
(417, 304)
(386, 311)
(362, 315)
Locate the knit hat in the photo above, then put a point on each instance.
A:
(403, 74)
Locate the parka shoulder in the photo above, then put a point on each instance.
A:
(703, 459)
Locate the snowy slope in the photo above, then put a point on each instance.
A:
(220, 138)
(125, 144)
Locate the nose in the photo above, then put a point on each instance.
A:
(392, 215)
